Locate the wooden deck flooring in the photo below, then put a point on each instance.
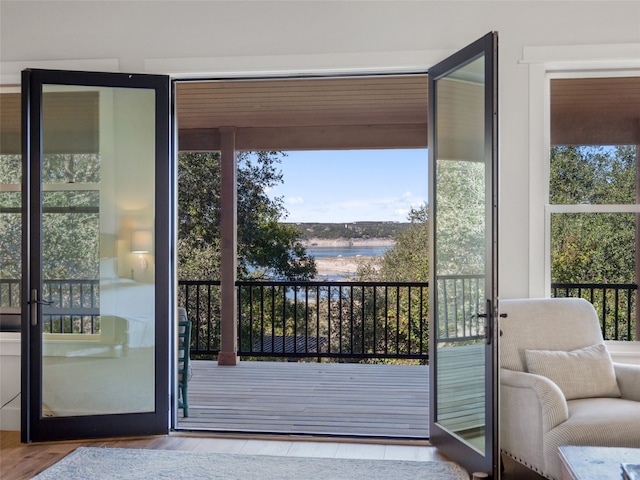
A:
(309, 399)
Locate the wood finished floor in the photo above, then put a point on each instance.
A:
(21, 461)
(353, 401)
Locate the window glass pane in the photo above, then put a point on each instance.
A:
(593, 247)
(460, 216)
(10, 232)
(593, 257)
(593, 175)
(71, 168)
(72, 256)
(10, 253)
(10, 169)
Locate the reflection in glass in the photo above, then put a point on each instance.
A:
(10, 253)
(98, 188)
(461, 253)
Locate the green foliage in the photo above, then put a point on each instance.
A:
(11, 169)
(71, 239)
(592, 175)
(70, 223)
(593, 247)
(408, 261)
(267, 247)
(198, 260)
(11, 234)
(347, 319)
(400, 313)
(460, 224)
(71, 168)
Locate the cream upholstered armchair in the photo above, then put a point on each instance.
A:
(558, 385)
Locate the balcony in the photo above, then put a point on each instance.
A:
(323, 358)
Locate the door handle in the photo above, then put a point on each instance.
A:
(33, 307)
(488, 324)
(33, 303)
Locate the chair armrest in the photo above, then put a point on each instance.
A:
(530, 406)
(628, 377)
(547, 396)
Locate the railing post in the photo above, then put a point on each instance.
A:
(228, 245)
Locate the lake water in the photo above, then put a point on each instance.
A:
(363, 251)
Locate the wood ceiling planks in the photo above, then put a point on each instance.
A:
(70, 122)
(346, 112)
(595, 111)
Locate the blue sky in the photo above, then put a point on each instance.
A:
(352, 185)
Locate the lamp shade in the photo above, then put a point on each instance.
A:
(141, 241)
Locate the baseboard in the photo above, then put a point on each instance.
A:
(10, 418)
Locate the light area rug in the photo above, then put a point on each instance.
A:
(92, 463)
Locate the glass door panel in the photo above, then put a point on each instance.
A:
(97, 298)
(460, 260)
(463, 269)
(97, 330)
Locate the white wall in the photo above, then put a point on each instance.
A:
(267, 36)
(299, 36)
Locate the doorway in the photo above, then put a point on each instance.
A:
(366, 115)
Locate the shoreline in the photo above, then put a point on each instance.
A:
(348, 242)
(340, 265)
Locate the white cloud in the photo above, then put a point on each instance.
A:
(352, 209)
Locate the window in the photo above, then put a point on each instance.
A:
(592, 212)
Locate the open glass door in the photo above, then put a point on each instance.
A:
(463, 283)
(96, 263)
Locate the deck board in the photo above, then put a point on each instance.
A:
(310, 398)
(332, 398)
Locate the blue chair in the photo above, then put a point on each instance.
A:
(184, 350)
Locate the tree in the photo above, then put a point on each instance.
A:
(267, 247)
(593, 247)
(408, 260)
(461, 219)
(68, 256)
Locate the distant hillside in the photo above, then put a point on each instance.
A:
(355, 230)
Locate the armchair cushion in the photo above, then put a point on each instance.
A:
(628, 377)
(545, 324)
(583, 373)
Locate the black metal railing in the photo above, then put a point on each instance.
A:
(201, 298)
(338, 320)
(461, 300)
(326, 319)
(614, 302)
(69, 306)
(10, 292)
